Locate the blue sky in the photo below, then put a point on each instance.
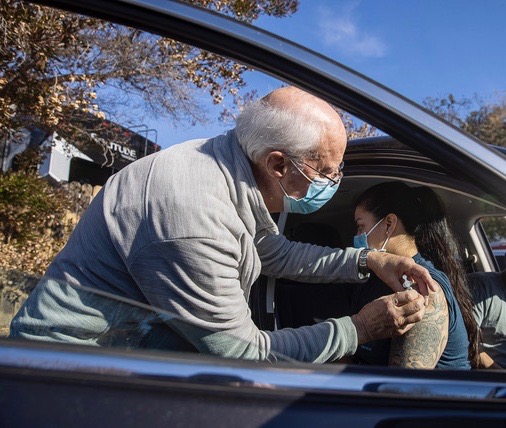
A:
(419, 48)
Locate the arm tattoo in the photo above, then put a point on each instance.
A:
(422, 346)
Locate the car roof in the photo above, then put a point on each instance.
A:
(384, 157)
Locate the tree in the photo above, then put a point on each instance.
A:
(356, 128)
(486, 121)
(58, 69)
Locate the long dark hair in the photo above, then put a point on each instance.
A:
(422, 214)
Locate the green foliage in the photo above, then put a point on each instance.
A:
(29, 207)
(34, 220)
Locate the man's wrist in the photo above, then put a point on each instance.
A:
(360, 329)
(363, 269)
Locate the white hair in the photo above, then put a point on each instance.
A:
(263, 127)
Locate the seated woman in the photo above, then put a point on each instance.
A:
(407, 221)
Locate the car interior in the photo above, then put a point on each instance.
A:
(368, 162)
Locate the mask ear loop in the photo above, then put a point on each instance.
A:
(382, 249)
(374, 227)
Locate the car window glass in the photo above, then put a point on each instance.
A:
(495, 231)
(98, 127)
(88, 143)
(105, 320)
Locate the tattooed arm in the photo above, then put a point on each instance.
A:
(422, 346)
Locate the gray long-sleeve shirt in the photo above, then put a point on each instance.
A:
(185, 230)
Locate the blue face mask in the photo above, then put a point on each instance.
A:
(320, 191)
(360, 241)
(318, 194)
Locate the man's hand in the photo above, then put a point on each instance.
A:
(390, 268)
(389, 316)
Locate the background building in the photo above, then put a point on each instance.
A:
(109, 148)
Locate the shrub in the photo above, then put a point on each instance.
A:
(33, 226)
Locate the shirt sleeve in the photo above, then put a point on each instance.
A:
(196, 281)
(306, 262)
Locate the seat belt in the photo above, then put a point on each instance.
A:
(271, 281)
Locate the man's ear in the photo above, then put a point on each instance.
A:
(276, 164)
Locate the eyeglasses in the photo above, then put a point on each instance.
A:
(337, 177)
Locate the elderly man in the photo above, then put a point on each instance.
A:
(188, 231)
